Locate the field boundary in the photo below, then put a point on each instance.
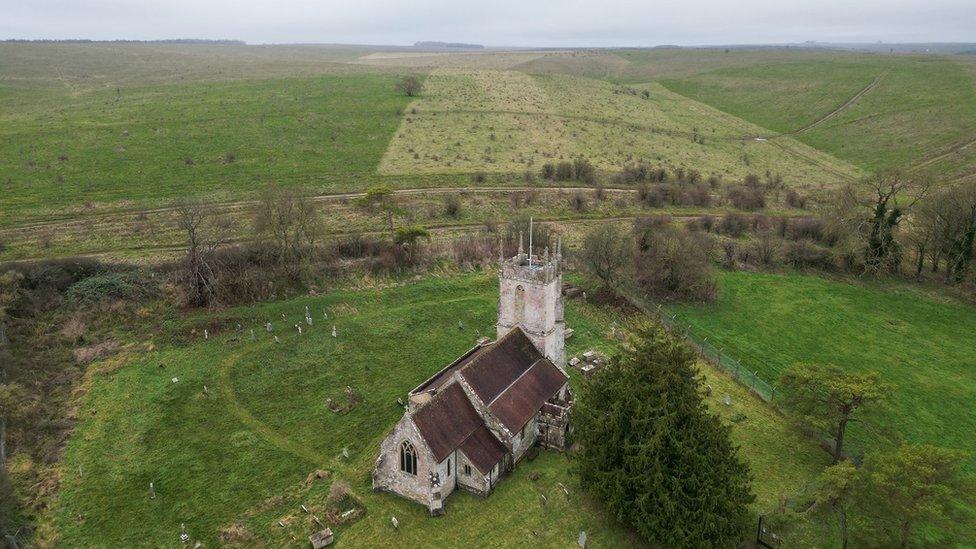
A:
(705, 350)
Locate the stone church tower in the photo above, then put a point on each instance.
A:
(530, 296)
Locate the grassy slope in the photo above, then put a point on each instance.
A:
(328, 132)
(262, 427)
(509, 121)
(921, 346)
(921, 106)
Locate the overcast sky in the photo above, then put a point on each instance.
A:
(554, 23)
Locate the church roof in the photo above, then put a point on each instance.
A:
(483, 449)
(492, 370)
(447, 420)
(527, 394)
(511, 378)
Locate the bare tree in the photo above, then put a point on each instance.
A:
(409, 85)
(893, 193)
(288, 219)
(205, 233)
(606, 252)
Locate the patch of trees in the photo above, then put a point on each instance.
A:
(654, 454)
(579, 169)
(663, 260)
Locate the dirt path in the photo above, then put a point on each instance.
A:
(225, 384)
(229, 206)
(841, 108)
(949, 152)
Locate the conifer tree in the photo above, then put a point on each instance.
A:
(653, 452)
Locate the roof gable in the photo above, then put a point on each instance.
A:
(526, 395)
(447, 420)
(497, 366)
(483, 449)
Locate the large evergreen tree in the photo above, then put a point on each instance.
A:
(653, 452)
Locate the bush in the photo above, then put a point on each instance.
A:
(733, 224)
(583, 170)
(127, 286)
(479, 177)
(564, 171)
(807, 228)
(578, 202)
(409, 85)
(452, 205)
(805, 254)
(795, 200)
(746, 197)
(548, 171)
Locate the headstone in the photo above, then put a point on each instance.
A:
(334, 331)
(299, 328)
(152, 491)
(396, 523)
(321, 538)
(581, 540)
(574, 361)
(727, 400)
(308, 319)
(206, 334)
(277, 340)
(252, 335)
(307, 314)
(184, 537)
(345, 452)
(325, 314)
(460, 325)
(268, 326)
(176, 380)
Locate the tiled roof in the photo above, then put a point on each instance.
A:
(447, 420)
(496, 366)
(483, 449)
(519, 402)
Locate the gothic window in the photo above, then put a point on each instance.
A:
(408, 458)
(519, 304)
(467, 470)
(448, 467)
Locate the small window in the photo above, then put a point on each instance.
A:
(448, 466)
(522, 433)
(467, 470)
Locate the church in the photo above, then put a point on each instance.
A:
(475, 419)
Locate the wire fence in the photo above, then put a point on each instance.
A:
(705, 349)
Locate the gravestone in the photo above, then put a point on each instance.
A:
(322, 538)
(727, 400)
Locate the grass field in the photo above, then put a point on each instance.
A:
(220, 456)
(918, 109)
(919, 343)
(505, 121)
(64, 152)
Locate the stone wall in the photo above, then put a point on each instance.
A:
(476, 482)
(387, 475)
(531, 297)
(520, 446)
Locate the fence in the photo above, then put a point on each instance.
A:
(705, 349)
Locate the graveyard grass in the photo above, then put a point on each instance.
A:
(237, 457)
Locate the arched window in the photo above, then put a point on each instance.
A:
(408, 458)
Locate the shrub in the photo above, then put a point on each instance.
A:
(452, 205)
(578, 202)
(698, 195)
(704, 223)
(805, 254)
(583, 170)
(528, 177)
(809, 228)
(733, 224)
(548, 171)
(729, 254)
(564, 171)
(766, 249)
(131, 285)
(479, 177)
(795, 200)
(745, 197)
